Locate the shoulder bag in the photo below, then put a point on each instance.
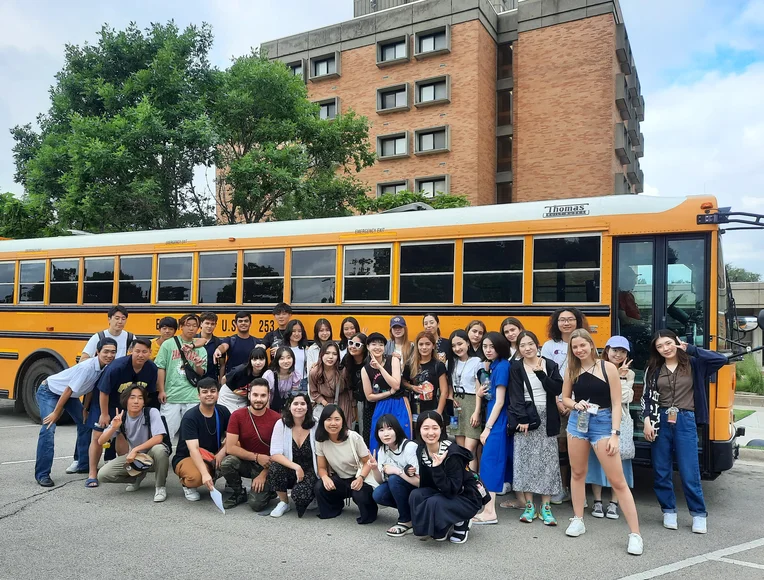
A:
(191, 375)
(626, 440)
(534, 421)
(369, 478)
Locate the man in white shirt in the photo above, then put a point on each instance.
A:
(61, 392)
(117, 319)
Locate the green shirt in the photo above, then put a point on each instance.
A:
(176, 385)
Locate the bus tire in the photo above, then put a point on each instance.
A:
(37, 372)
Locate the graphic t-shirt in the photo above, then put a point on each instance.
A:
(558, 352)
(430, 371)
(195, 425)
(120, 374)
(241, 425)
(176, 385)
(136, 430)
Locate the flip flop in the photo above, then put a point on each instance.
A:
(91, 482)
(479, 522)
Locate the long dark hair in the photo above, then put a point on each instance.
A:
(286, 412)
(348, 363)
(275, 362)
(321, 433)
(288, 333)
(500, 344)
(389, 420)
(343, 339)
(317, 326)
(451, 358)
(257, 353)
(318, 372)
(435, 416)
(553, 330)
(656, 360)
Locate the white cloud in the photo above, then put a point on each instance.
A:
(651, 190)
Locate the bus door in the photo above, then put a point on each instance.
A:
(660, 282)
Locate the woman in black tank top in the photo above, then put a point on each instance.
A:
(591, 382)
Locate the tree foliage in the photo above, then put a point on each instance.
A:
(393, 200)
(737, 274)
(21, 218)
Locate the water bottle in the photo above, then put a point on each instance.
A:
(453, 425)
(486, 382)
(583, 422)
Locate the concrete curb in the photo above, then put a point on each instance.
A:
(749, 400)
(756, 455)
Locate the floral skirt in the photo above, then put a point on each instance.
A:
(536, 466)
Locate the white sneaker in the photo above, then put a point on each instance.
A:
(135, 485)
(161, 494)
(506, 489)
(699, 525)
(636, 546)
(669, 521)
(191, 494)
(280, 509)
(576, 527)
(313, 505)
(72, 468)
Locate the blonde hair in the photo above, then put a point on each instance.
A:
(574, 363)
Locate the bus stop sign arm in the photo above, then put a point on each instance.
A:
(751, 221)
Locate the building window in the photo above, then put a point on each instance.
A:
(99, 281)
(325, 66)
(504, 61)
(504, 108)
(135, 279)
(264, 277)
(433, 91)
(217, 277)
(328, 108)
(297, 68)
(64, 281)
(313, 276)
(493, 271)
(391, 188)
(503, 154)
(174, 278)
(391, 99)
(393, 146)
(431, 186)
(432, 140)
(7, 282)
(427, 273)
(566, 269)
(504, 192)
(367, 274)
(432, 42)
(392, 51)
(31, 281)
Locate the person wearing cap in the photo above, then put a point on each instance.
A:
(617, 352)
(399, 344)
(141, 430)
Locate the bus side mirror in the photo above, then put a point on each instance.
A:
(760, 319)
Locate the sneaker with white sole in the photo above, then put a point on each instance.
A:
(561, 497)
(612, 511)
(73, 467)
(699, 525)
(669, 521)
(576, 527)
(312, 505)
(505, 490)
(280, 509)
(160, 494)
(597, 510)
(636, 546)
(191, 494)
(134, 486)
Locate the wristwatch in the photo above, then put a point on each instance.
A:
(615, 432)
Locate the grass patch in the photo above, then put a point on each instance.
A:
(740, 414)
(755, 447)
(749, 377)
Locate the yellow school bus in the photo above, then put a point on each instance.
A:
(604, 255)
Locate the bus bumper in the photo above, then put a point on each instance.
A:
(724, 453)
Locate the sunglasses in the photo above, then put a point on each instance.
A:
(355, 344)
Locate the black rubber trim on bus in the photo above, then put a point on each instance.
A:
(5, 394)
(477, 310)
(9, 355)
(46, 335)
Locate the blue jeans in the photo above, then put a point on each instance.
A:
(47, 401)
(679, 441)
(395, 493)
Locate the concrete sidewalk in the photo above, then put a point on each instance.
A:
(754, 424)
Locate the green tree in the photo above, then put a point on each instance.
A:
(393, 200)
(737, 274)
(126, 127)
(277, 159)
(22, 218)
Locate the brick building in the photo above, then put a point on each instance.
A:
(499, 100)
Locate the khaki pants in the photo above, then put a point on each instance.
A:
(115, 472)
(189, 475)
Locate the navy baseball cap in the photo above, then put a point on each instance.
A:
(397, 321)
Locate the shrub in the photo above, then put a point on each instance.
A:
(749, 375)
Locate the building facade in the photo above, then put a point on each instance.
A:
(498, 100)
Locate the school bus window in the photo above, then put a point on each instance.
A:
(175, 278)
(493, 271)
(427, 273)
(367, 274)
(7, 282)
(135, 279)
(217, 277)
(313, 276)
(31, 281)
(99, 280)
(566, 269)
(263, 277)
(64, 279)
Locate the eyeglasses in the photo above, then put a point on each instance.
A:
(566, 320)
(355, 344)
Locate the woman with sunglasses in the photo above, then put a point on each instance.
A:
(352, 365)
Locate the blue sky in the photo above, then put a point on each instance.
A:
(700, 62)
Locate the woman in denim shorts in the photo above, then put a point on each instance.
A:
(592, 391)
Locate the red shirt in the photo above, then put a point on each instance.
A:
(240, 424)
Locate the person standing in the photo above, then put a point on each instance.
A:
(143, 430)
(117, 317)
(431, 324)
(674, 403)
(282, 375)
(201, 447)
(475, 331)
(208, 321)
(352, 365)
(176, 358)
(426, 376)
(463, 369)
(511, 327)
(348, 328)
(399, 344)
(168, 327)
(248, 445)
(322, 334)
(61, 392)
(237, 347)
(327, 385)
(282, 314)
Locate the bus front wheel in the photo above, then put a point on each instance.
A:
(37, 372)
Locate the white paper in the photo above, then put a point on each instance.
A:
(217, 499)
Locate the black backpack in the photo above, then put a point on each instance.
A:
(166, 441)
(128, 344)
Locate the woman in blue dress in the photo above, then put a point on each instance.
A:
(494, 436)
(381, 376)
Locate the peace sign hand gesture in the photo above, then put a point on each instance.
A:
(623, 370)
(117, 420)
(438, 458)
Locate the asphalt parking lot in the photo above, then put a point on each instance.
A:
(72, 532)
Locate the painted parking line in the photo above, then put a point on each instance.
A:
(33, 460)
(717, 556)
(742, 563)
(19, 426)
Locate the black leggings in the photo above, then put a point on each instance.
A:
(330, 503)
